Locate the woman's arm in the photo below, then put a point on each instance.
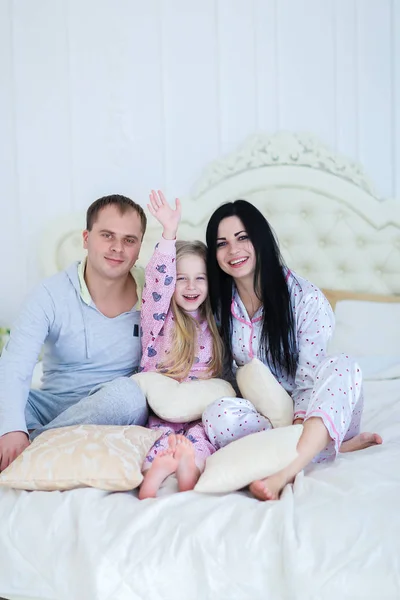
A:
(315, 323)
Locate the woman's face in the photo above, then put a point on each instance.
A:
(235, 252)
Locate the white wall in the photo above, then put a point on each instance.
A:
(101, 96)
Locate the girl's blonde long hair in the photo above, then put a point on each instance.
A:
(185, 334)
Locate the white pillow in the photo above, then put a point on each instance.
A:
(180, 402)
(257, 384)
(370, 333)
(250, 458)
(107, 457)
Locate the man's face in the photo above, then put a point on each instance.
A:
(114, 242)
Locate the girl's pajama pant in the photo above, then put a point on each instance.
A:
(193, 431)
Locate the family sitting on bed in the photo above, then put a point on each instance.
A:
(90, 316)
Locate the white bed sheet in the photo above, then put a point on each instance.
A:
(334, 534)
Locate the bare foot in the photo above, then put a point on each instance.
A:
(269, 488)
(361, 441)
(187, 472)
(171, 443)
(163, 465)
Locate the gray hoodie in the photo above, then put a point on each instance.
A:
(82, 347)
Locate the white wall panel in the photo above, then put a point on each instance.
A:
(266, 65)
(41, 118)
(190, 89)
(306, 66)
(345, 78)
(395, 56)
(374, 91)
(116, 95)
(236, 71)
(13, 264)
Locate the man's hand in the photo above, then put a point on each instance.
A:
(12, 445)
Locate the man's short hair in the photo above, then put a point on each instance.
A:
(123, 203)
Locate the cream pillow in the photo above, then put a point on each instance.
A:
(257, 384)
(101, 456)
(252, 457)
(180, 402)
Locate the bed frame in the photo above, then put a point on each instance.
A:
(332, 227)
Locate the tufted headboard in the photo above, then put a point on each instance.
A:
(331, 226)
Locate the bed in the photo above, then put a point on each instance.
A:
(335, 532)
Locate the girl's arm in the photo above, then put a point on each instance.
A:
(160, 278)
(159, 288)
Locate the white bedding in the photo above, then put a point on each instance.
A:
(335, 534)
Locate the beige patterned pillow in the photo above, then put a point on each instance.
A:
(107, 457)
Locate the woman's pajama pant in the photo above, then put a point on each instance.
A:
(336, 397)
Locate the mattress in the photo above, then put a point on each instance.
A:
(334, 533)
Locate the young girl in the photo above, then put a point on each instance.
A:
(267, 311)
(179, 339)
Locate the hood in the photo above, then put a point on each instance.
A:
(73, 276)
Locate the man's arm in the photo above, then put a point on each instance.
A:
(16, 367)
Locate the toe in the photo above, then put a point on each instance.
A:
(172, 441)
(257, 488)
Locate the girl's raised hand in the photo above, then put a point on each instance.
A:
(166, 215)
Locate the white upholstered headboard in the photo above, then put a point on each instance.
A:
(331, 226)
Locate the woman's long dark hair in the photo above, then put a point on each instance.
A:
(278, 337)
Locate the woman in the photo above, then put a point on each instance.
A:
(267, 311)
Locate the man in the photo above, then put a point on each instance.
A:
(88, 318)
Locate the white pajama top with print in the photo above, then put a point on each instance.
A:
(325, 386)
